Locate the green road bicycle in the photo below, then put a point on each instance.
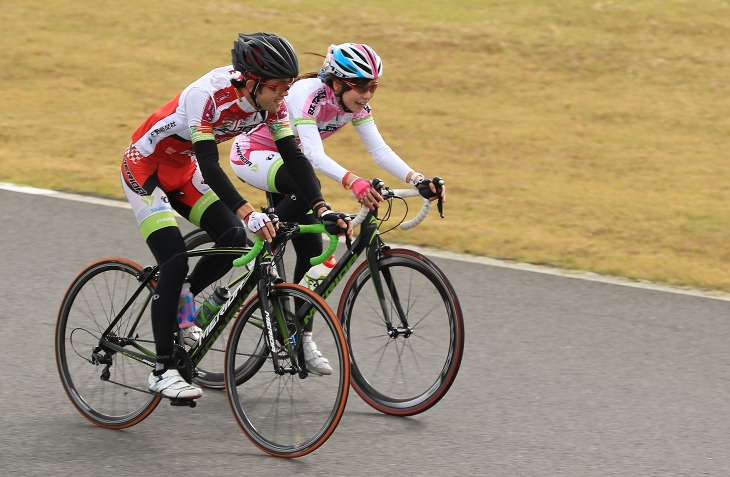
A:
(400, 314)
(105, 349)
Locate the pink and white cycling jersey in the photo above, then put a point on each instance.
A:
(316, 115)
(209, 108)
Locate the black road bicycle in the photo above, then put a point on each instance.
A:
(105, 350)
(400, 314)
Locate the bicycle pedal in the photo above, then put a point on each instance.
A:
(183, 402)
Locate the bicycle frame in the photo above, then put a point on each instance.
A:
(367, 241)
(245, 285)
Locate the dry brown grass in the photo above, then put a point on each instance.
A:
(584, 135)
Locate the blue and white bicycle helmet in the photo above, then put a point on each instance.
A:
(353, 60)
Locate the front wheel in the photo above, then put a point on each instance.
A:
(282, 411)
(106, 387)
(408, 368)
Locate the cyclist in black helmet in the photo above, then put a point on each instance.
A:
(172, 165)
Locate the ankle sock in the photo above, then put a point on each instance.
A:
(162, 364)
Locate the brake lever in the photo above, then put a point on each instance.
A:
(377, 184)
(439, 182)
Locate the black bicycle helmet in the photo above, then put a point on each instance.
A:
(264, 55)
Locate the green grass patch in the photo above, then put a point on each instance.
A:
(589, 135)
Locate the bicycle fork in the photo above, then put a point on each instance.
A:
(373, 256)
(289, 341)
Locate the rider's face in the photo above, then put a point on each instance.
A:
(357, 95)
(271, 93)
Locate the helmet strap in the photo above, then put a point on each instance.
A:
(342, 104)
(253, 94)
(255, 101)
(343, 89)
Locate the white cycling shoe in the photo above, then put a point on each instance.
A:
(316, 363)
(171, 385)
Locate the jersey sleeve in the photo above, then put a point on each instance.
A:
(200, 110)
(382, 154)
(303, 109)
(313, 148)
(279, 124)
(294, 161)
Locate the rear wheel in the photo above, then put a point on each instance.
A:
(105, 386)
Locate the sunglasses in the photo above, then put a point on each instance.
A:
(278, 88)
(362, 89)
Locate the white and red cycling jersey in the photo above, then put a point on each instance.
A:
(209, 108)
(162, 159)
(316, 114)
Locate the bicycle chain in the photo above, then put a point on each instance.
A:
(210, 349)
(147, 391)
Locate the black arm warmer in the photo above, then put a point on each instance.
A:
(207, 155)
(299, 167)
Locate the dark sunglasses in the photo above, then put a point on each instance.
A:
(278, 88)
(362, 89)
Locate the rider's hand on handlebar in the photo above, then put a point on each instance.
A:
(431, 189)
(365, 193)
(337, 223)
(260, 224)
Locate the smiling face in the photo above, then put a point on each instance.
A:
(356, 94)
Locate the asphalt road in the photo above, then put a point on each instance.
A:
(561, 377)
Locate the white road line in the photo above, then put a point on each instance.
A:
(65, 195)
(590, 276)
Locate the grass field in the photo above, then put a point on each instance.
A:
(585, 135)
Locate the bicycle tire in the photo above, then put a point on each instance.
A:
(87, 309)
(403, 375)
(286, 415)
(209, 372)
